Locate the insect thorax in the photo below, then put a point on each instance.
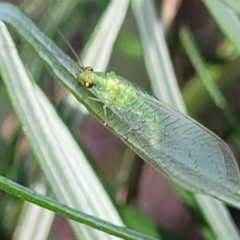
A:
(111, 89)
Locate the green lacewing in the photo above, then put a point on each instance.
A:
(175, 144)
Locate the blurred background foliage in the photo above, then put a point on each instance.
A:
(139, 192)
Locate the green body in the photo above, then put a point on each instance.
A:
(175, 144)
(116, 91)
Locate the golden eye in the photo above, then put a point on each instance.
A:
(88, 84)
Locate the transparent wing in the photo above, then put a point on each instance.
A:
(179, 147)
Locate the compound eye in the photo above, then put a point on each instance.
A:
(88, 68)
(88, 84)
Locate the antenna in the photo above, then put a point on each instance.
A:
(80, 63)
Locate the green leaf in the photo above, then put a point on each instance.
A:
(226, 19)
(63, 162)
